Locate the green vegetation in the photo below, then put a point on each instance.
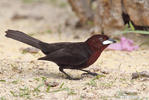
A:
(57, 3)
(93, 82)
(2, 98)
(61, 88)
(15, 82)
(26, 92)
(30, 1)
(131, 29)
(2, 80)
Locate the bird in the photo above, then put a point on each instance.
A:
(67, 55)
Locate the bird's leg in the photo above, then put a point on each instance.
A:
(88, 72)
(68, 76)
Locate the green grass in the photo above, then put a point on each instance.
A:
(129, 28)
(43, 78)
(37, 79)
(49, 31)
(2, 80)
(27, 92)
(69, 91)
(106, 84)
(48, 88)
(15, 82)
(3, 98)
(136, 31)
(57, 3)
(61, 85)
(37, 88)
(13, 93)
(62, 88)
(30, 1)
(24, 92)
(93, 82)
(91, 23)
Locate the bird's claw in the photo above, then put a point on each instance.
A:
(93, 74)
(90, 73)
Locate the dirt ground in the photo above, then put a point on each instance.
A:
(22, 76)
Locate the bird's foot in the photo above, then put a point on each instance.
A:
(71, 78)
(90, 73)
(93, 74)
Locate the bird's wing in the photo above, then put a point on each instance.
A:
(49, 48)
(66, 57)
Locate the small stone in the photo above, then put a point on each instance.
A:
(52, 84)
(140, 74)
(41, 69)
(131, 92)
(135, 75)
(84, 88)
(30, 81)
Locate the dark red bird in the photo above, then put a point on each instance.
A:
(67, 55)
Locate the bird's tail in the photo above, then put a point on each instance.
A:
(22, 37)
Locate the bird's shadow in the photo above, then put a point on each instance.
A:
(51, 75)
(56, 75)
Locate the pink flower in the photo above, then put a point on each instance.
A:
(124, 45)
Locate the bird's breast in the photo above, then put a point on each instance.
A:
(93, 58)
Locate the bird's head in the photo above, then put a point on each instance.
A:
(99, 42)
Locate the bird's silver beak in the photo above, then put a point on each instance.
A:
(109, 41)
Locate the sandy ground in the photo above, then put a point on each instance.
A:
(22, 76)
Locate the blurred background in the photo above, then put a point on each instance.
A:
(75, 17)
